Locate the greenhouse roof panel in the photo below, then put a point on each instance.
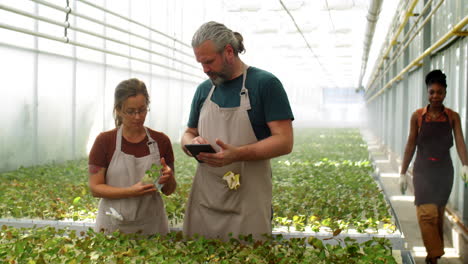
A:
(333, 36)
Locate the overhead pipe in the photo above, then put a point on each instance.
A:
(194, 81)
(391, 28)
(72, 12)
(78, 44)
(455, 31)
(402, 48)
(67, 25)
(137, 23)
(420, 16)
(372, 18)
(408, 14)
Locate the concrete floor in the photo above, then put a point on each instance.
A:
(405, 209)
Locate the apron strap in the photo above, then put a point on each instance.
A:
(244, 93)
(118, 140)
(152, 144)
(423, 111)
(211, 92)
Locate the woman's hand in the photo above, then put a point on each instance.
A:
(139, 189)
(403, 181)
(166, 173)
(167, 178)
(465, 173)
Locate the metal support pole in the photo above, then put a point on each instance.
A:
(465, 130)
(35, 94)
(73, 99)
(405, 111)
(426, 62)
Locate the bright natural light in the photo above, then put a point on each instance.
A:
(308, 109)
(382, 161)
(402, 198)
(389, 175)
(449, 252)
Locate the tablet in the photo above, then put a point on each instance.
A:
(195, 149)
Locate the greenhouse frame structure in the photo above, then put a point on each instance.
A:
(425, 35)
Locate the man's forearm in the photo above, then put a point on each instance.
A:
(271, 147)
(187, 138)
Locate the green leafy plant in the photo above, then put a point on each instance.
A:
(57, 197)
(48, 245)
(323, 185)
(320, 186)
(152, 175)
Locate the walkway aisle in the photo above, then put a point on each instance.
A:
(404, 206)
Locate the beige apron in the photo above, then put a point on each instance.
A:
(213, 210)
(143, 213)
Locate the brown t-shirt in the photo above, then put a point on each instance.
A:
(104, 147)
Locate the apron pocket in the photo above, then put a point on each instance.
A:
(215, 194)
(224, 202)
(144, 213)
(117, 222)
(129, 208)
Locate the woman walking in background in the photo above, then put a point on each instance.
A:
(432, 131)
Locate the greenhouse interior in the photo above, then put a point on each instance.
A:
(132, 133)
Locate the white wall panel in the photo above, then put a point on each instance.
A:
(54, 109)
(17, 109)
(89, 107)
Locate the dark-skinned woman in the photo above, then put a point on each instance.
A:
(432, 132)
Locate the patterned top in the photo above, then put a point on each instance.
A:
(441, 118)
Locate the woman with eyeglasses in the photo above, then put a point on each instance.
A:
(118, 161)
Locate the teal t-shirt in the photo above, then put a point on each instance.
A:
(268, 99)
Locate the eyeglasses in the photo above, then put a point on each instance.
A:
(133, 113)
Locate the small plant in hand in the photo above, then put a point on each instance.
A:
(152, 175)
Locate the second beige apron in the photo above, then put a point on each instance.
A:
(213, 210)
(145, 214)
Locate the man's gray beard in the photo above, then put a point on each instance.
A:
(222, 76)
(218, 81)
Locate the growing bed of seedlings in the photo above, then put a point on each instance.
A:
(48, 245)
(324, 185)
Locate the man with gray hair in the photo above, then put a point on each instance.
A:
(244, 113)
